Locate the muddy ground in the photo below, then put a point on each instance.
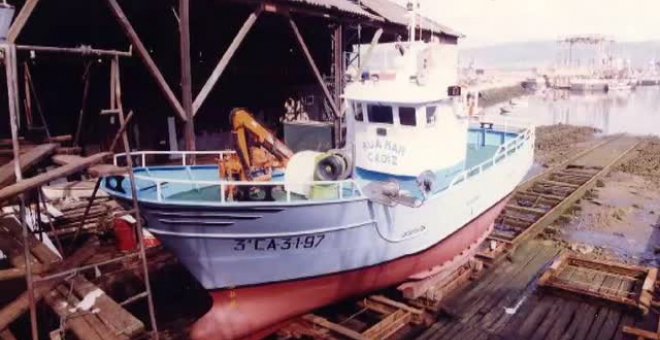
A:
(620, 218)
(557, 143)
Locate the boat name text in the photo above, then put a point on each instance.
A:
(383, 151)
(274, 244)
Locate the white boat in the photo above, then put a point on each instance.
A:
(619, 85)
(588, 85)
(424, 186)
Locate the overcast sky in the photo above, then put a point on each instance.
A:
(486, 22)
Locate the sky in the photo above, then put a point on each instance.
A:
(489, 22)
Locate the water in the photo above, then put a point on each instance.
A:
(635, 112)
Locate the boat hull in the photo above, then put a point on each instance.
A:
(249, 311)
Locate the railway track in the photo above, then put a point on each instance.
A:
(536, 204)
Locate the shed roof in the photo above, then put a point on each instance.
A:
(345, 6)
(398, 14)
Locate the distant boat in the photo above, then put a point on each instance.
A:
(650, 81)
(534, 83)
(619, 85)
(588, 84)
(506, 109)
(519, 102)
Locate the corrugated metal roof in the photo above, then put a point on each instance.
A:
(398, 14)
(339, 5)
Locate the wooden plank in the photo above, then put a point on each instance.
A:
(388, 325)
(20, 20)
(564, 317)
(79, 325)
(626, 320)
(581, 322)
(90, 316)
(120, 321)
(545, 325)
(644, 334)
(609, 328)
(153, 69)
(526, 209)
(66, 159)
(508, 296)
(102, 170)
(6, 334)
(224, 61)
(26, 161)
(21, 304)
(12, 273)
(39, 180)
(509, 288)
(560, 184)
(599, 320)
(339, 329)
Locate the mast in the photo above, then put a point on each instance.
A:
(412, 11)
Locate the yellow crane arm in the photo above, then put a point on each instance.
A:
(242, 124)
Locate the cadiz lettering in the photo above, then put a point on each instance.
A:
(383, 151)
(275, 244)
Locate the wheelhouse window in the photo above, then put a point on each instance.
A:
(380, 114)
(430, 115)
(407, 116)
(358, 111)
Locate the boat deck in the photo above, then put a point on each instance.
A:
(203, 184)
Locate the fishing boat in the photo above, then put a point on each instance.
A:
(615, 85)
(588, 85)
(417, 184)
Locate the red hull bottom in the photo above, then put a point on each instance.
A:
(244, 312)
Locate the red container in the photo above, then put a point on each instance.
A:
(125, 234)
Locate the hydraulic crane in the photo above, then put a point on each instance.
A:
(258, 151)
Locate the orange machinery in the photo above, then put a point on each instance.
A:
(256, 155)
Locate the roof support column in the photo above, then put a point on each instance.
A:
(186, 74)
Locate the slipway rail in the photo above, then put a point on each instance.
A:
(540, 202)
(536, 204)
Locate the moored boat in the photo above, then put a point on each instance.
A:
(588, 85)
(417, 184)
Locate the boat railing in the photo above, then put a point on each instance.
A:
(340, 190)
(185, 156)
(525, 134)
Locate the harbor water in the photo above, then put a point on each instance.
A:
(635, 112)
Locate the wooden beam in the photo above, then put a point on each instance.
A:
(6, 334)
(339, 329)
(11, 68)
(314, 68)
(80, 325)
(14, 273)
(121, 130)
(136, 206)
(186, 74)
(39, 180)
(26, 161)
(84, 51)
(20, 305)
(224, 61)
(146, 58)
(641, 333)
(22, 17)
